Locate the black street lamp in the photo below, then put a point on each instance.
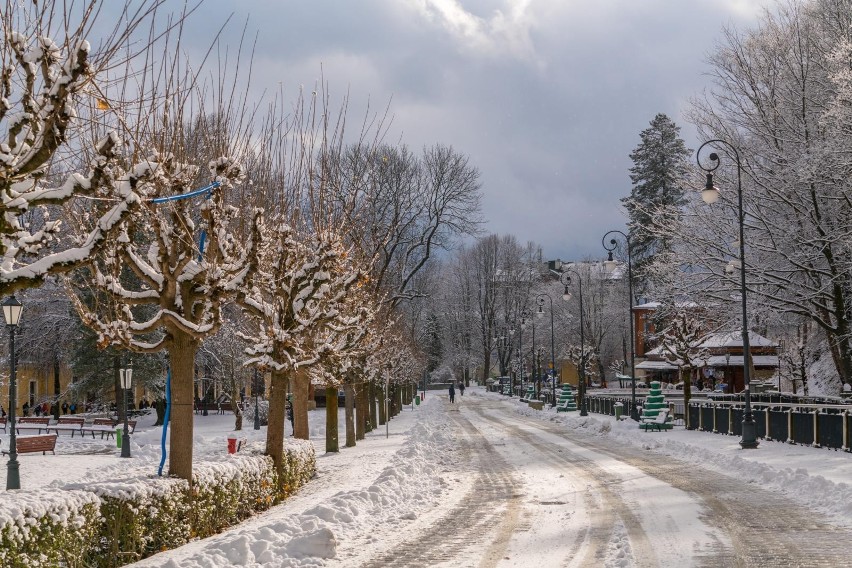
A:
(540, 313)
(12, 309)
(609, 267)
(534, 371)
(710, 195)
(256, 389)
(126, 379)
(565, 278)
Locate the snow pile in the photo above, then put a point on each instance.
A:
(410, 483)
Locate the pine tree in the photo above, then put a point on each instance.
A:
(659, 168)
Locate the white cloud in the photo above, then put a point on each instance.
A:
(505, 32)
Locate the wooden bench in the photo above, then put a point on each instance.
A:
(30, 444)
(32, 423)
(3, 422)
(67, 424)
(106, 427)
(658, 422)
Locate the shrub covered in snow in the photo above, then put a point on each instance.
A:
(262, 411)
(47, 527)
(95, 523)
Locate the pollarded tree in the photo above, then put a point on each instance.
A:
(47, 70)
(165, 287)
(300, 288)
(659, 173)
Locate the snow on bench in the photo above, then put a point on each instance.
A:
(67, 424)
(32, 423)
(657, 423)
(106, 427)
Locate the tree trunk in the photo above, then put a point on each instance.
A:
(371, 395)
(160, 409)
(238, 414)
(383, 410)
(360, 411)
(301, 388)
(349, 392)
(182, 356)
(57, 388)
(332, 444)
(687, 395)
(235, 402)
(276, 420)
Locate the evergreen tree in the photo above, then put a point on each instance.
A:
(658, 174)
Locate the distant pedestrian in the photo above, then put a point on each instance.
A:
(73, 408)
(452, 394)
(65, 407)
(26, 408)
(461, 389)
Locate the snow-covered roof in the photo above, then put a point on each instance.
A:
(735, 339)
(657, 366)
(737, 361)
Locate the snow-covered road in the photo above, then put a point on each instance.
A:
(483, 483)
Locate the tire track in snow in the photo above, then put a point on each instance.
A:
(604, 506)
(492, 504)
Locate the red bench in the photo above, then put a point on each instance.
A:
(3, 423)
(30, 444)
(67, 424)
(32, 423)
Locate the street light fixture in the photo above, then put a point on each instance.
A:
(609, 267)
(126, 380)
(710, 195)
(540, 313)
(565, 278)
(12, 309)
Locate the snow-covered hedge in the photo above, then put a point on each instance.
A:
(108, 523)
(47, 527)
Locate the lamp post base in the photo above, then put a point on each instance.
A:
(13, 475)
(125, 444)
(749, 440)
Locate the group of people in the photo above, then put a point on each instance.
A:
(453, 391)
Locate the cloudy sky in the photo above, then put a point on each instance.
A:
(547, 97)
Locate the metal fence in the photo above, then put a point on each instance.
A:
(821, 426)
(818, 425)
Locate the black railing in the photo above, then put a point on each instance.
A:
(826, 426)
(819, 425)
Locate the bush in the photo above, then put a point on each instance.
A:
(47, 527)
(110, 523)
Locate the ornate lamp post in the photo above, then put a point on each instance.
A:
(533, 372)
(710, 195)
(126, 380)
(12, 309)
(540, 313)
(609, 267)
(255, 387)
(565, 278)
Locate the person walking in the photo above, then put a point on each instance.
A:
(461, 389)
(452, 393)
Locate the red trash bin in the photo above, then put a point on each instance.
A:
(232, 444)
